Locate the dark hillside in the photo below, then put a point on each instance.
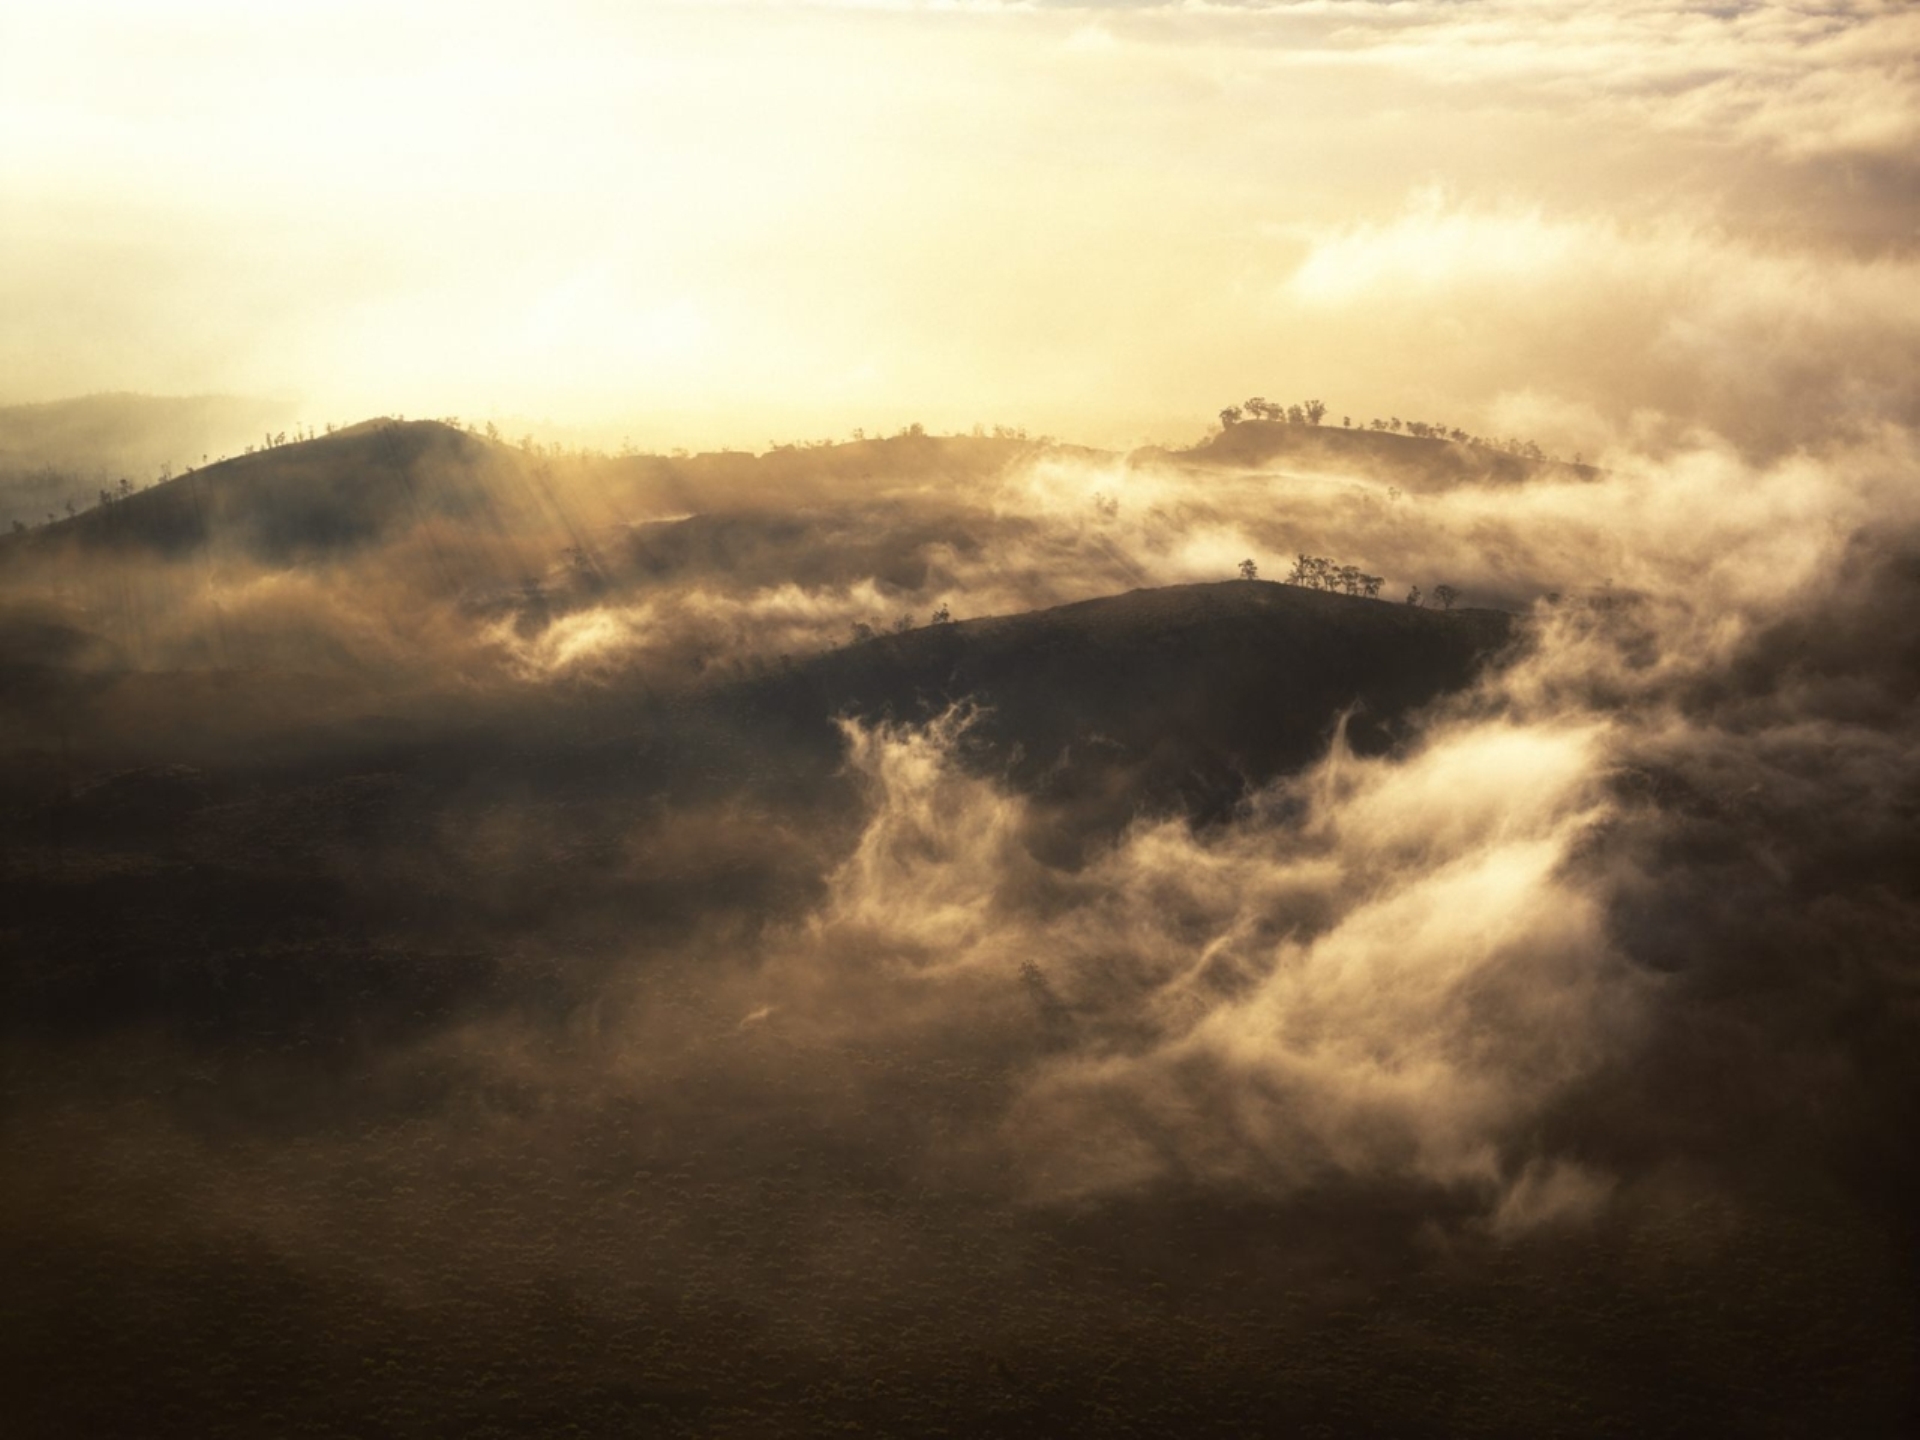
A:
(340, 492)
(145, 804)
(1416, 462)
(1185, 693)
(455, 1058)
(1176, 697)
(374, 482)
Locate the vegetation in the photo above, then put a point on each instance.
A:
(1311, 412)
(1316, 572)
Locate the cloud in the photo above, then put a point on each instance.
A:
(1411, 969)
(808, 237)
(1773, 347)
(1832, 81)
(1385, 969)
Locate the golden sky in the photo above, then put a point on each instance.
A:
(707, 223)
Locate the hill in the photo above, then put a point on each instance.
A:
(338, 999)
(337, 492)
(1415, 462)
(284, 816)
(1176, 698)
(374, 480)
(354, 486)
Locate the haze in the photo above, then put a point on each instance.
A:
(995, 720)
(719, 224)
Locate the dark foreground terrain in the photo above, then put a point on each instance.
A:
(393, 1053)
(390, 1089)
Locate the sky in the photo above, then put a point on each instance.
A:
(1599, 226)
(416, 827)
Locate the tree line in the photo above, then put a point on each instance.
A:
(860, 631)
(1317, 572)
(1312, 412)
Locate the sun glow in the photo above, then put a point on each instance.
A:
(664, 217)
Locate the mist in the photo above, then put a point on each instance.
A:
(991, 719)
(536, 827)
(721, 225)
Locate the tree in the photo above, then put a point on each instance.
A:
(860, 632)
(1414, 597)
(1295, 415)
(1370, 585)
(1315, 410)
(1229, 417)
(1313, 572)
(1249, 570)
(1446, 595)
(943, 615)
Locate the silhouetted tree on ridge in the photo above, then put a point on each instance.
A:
(1312, 412)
